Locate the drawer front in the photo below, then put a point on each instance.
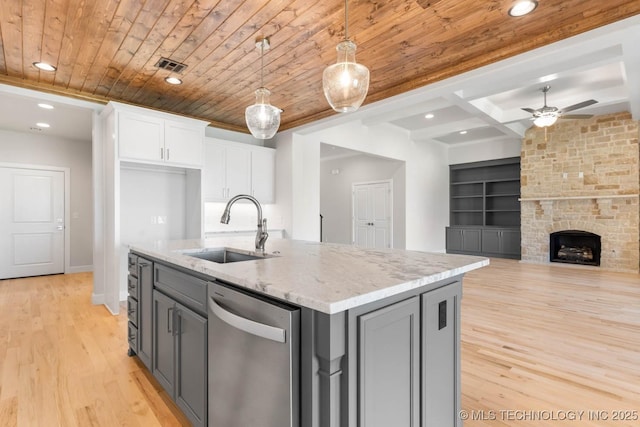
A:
(133, 264)
(132, 287)
(184, 288)
(132, 310)
(132, 336)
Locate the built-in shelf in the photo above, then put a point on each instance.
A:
(485, 208)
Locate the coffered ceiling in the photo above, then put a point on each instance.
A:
(106, 50)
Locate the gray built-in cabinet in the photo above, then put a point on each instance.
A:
(167, 330)
(394, 361)
(406, 361)
(485, 208)
(140, 288)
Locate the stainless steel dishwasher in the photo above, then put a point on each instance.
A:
(254, 353)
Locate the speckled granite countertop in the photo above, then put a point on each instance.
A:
(325, 277)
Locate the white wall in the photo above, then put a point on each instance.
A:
(486, 150)
(26, 148)
(336, 194)
(427, 201)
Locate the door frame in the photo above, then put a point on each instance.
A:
(67, 205)
(353, 207)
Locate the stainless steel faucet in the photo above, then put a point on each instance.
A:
(261, 235)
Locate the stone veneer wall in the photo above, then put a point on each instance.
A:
(584, 175)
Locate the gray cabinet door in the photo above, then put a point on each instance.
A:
(145, 311)
(454, 239)
(491, 241)
(389, 365)
(191, 365)
(163, 341)
(441, 356)
(511, 242)
(471, 239)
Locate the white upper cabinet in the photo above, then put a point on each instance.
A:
(183, 143)
(263, 172)
(148, 136)
(233, 168)
(140, 137)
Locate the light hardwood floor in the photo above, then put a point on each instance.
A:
(545, 341)
(548, 340)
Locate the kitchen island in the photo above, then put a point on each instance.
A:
(376, 341)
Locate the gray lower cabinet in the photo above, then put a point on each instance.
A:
(441, 356)
(501, 241)
(180, 355)
(408, 361)
(487, 241)
(145, 310)
(139, 307)
(389, 365)
(463, 240)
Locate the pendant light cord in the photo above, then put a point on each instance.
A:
(262, 63)
(346, 20)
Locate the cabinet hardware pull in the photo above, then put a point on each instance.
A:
(168, 154)
(161, 154)
(170, 320)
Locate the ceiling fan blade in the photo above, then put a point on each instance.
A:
(529, 110)
(577, 106)
(576, 116)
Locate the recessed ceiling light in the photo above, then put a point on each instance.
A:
(45, 106)
(44, 66)
(523, 7)
(429, 116)
(173, 80)
(43, 125)
(463, 132)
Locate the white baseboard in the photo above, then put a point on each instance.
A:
(79, 269)
(97, 299)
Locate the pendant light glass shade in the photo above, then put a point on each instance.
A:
(263, 119)
(346, 82)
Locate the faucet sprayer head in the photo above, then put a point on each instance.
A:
(225, 217)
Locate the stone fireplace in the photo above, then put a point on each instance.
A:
(583, 175)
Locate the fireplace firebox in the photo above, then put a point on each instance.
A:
(575, 247)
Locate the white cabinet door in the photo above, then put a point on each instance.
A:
(140, 137)
(234, 168)
(183, 144)
(214, 182)
(238, 165)
(263, 165)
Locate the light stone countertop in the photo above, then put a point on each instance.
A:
(321, 276)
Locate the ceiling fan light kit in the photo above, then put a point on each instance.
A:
(263, 119)
(346, 82)
(522, 7)
(546, 116)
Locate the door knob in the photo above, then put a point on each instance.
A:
(60, 227)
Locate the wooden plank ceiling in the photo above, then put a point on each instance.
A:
(106, 49)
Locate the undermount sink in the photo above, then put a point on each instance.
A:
(224, 255)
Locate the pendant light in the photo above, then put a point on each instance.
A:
(346, 82)
(263, 119)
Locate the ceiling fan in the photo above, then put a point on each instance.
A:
(546, 116)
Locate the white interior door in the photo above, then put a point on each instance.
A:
(372, 215)
(31, 222)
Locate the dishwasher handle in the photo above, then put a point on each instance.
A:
(254, 328)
